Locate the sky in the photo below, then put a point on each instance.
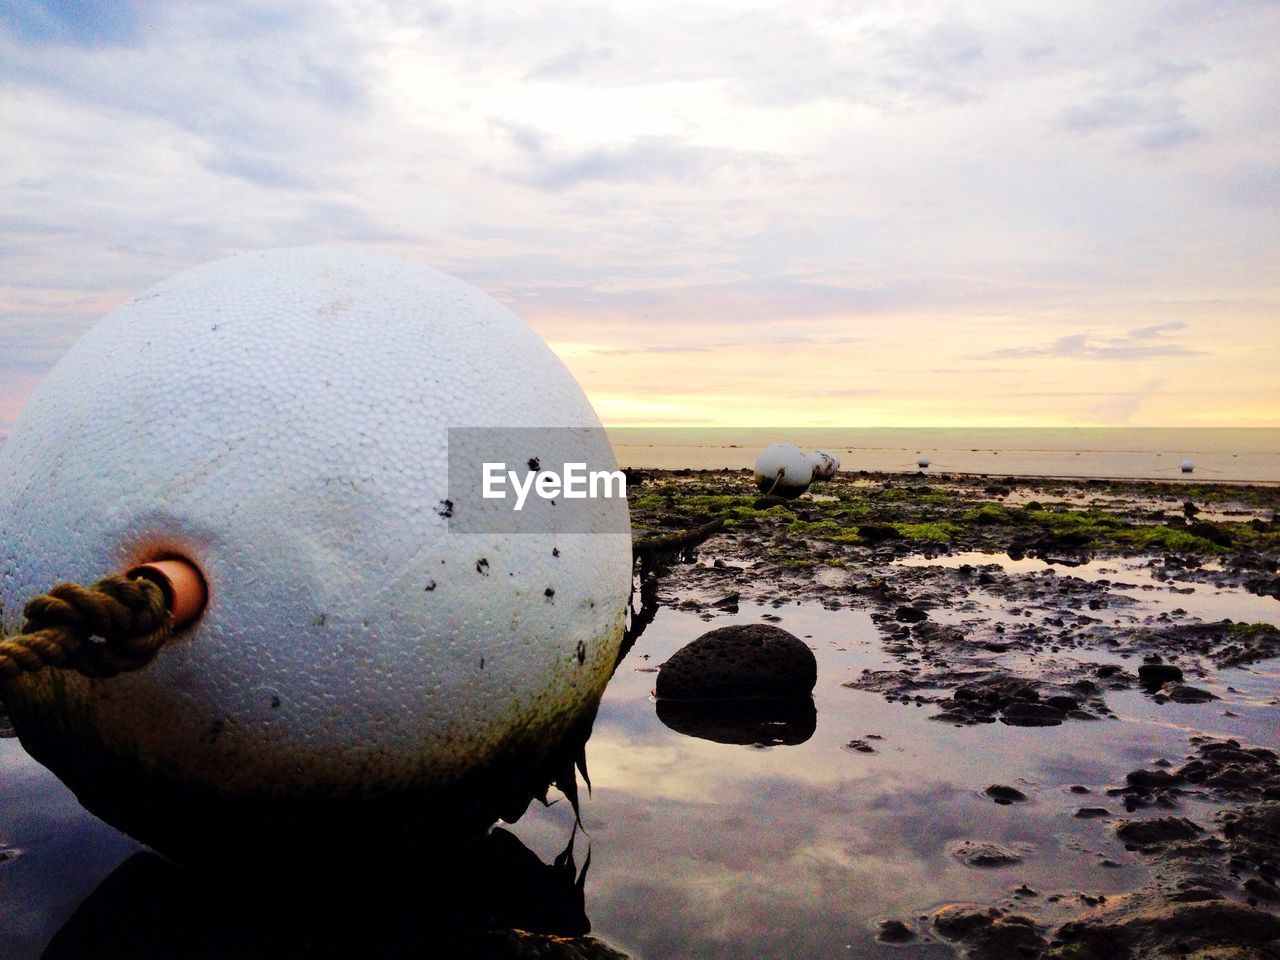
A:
(717, 213)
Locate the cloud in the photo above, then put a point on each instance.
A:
(570, 64)
(656, 348)
(77, 23)
(1143, 103)
(935, 184)
(1136, 344)
(643, 160)
(1154, 123)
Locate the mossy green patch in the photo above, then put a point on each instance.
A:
(932, 530)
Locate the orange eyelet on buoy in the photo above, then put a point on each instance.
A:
(184, 588)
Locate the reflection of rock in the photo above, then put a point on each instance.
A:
(493, 898)
(766, 722)
(741, 662)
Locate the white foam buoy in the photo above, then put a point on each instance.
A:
(280, 420)
(922, 462)
(1187, 466)
(825, 464)
(783, 470)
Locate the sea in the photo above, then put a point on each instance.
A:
(1222, 455)
(1201, 454)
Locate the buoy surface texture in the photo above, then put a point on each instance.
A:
(783, 469)
(825, 464)
(280, 419)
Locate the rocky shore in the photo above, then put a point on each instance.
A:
(1033, 602)
(994, 604)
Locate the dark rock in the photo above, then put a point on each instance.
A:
(1023, 713)
(1149, 779)
(956, 921)
(1211, 532)
(894, 931)
(1184, 693)
(1007, 938)
(878, 532)
(1157, 674)
(1092, 813)
(975, 853)
(764, 503)
(1157, 830)
(1063, 702)
(1004, 794)
(1262, 888)
(740, 662)
(1170, 930)
(910, 615)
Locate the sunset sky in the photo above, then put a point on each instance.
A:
(813, 213)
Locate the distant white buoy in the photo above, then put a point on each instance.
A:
(783, 470)
(1187, 466)
(825, 464)
(359, 675)
(922, 462)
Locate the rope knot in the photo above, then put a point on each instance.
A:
(118, 624)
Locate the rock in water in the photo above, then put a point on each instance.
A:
(741, 662)
(360, 673)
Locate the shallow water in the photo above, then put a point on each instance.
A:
(1147, 593)
(1249, 454)
(701, 848)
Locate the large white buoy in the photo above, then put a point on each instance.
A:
(783, 470)
(280, 419)
(825, 464)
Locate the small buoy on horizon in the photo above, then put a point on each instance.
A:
(922, 462)
(783, 470)
(825, 464)
(361, 679)
(1187, 466)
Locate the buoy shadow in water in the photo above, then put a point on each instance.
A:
(770, 723)
(494, 897)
